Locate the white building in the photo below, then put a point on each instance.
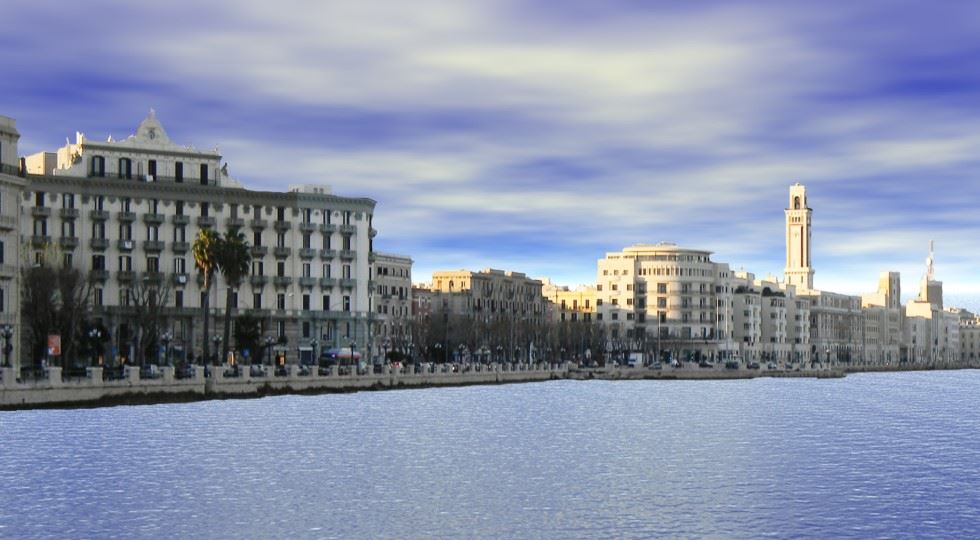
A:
(392, 301)
(126, 212)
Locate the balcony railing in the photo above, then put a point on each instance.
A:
(234, 223)
(8, 222)
(68, 213)
(180, 247)
(348, 283)
(259, 251)
(258, 223)
(307, 253)
(126, 216)
(282, 225)
(180, 279)
(98, 275)
(281, 252)
(153, 219)
(40, 211)
(153, 245)
(347, 254)
(328, 228)
(283, 281)
(125, 245)
(258, 281)
(153, 278)
(99, 243)
(307, 281)
(125, 276)
(180, 219)
(327, 283)
(40, 241)
(348, 229)
(205, 221)
(68, 242)
(307, 227)
(327, 254)
(98, 215)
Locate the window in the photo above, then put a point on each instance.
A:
(281, 213)
(347, 242)
(281, 301)
(180, 265)
(40, 227)
(256, 212)
(306, 329)
(256, 300)
(68, 229)
(326, 302)
(256, 238)
(661, 288)
(97, 167)
(205, 208)
(307, 215)
(204, 174)
(97, 297)
(281, 268)
(180, 233)
(127, 204)
(179, 298)
(98, 230)
(281, 240)
(346, 303)
(281, 328)
(125, 168)
(179, 172)
(347, 274)
(306, 270)
(98, 262)
(153, 233)
(151, 169)
(306, 302)
(99, 203)
(125, 263)
(258, 268)
(39, 199)
(180, 208)
(306, 240)
(68, 200)
(125, 231)
(326, 270)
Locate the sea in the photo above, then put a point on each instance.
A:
(885, 455)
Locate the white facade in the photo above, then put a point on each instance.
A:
(11, 186)
(392, 302)
(127, 212)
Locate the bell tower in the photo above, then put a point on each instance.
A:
(798, 270)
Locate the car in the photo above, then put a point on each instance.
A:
(656, 365)
(752, 365)
(731, 364)
(705, 364)
(771, 365)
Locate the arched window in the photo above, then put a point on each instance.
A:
(97, 166)
(796, 202)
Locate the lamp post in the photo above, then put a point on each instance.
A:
(385, 345)
(269, 340)
(500, 353)
(7, 331)
(166, 338)
(438, 351)
(314, 344)
(94, 334)
(352, 345)
(217, 345)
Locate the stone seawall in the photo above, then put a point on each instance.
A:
(51, 390)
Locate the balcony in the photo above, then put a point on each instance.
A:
(68, 242)
(259, 251)
(347, 255)
(153, 219)
(40, 241)
(180, 279)
(153, 246)
(126, 276)
(98, 275)
(124, 245)
(283, 281)
(126, 216)
(153, 278)
(258, 281)
(327, 283)
(206, 222)
(327, 254)
(99, 243)
(282, 226)
(348, 283)
(98, 215)
(307, 253)
(348, 229)
(281, 252)
(8, 223)
(234, 223)
(180, 247)
(41, 211)
(258, 223)
(307, 282)
(180, 219)
(68, 213)
(328, 228)
(307, 227)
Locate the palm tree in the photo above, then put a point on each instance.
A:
(234, 259)
(205, 248)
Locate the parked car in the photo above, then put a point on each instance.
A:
(731, 364)
(771, 365)
(753, 365)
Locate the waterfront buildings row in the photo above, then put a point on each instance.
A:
(674, 303)
(126, 214)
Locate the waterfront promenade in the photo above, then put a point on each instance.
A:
(222, 382)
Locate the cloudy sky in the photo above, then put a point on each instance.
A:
(538, 135)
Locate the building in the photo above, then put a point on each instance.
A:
(11, 186)
(567, 304)
(931, 332)
(392, 301)
(127, 212)
(487, 294)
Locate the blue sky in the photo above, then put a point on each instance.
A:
(536, 136)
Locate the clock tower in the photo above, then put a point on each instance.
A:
(798, 270)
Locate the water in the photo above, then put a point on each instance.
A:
(868, 456)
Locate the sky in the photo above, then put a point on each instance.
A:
(537, 136)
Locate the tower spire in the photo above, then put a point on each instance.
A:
(798, 271)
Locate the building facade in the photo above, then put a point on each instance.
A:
(392, 301)
(127, 212)
(11, 187)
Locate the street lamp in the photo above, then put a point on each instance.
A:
(217, 345)
(166, 338)
(385, 345)
(352, 345)
(500, 353)
(7, 331)
(269, 340)
(314, 344)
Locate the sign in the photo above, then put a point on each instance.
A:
(54, 345)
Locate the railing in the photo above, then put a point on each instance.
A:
(126, 216)
(328, 254)
(68, 213)
(282, 226)
(258, 223)
(180, 219)
(98, 243)
(307, 253)
(180, 247)
(328, 228)
(281, 252)
(327, 282)
(205, 221)
(40, 211)
(347, 254)
(153, 219)
(234, 223)
(68, 242)
(307, 227)
(348, 229)
(307, 281)
(153, 245)
(259, 251)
